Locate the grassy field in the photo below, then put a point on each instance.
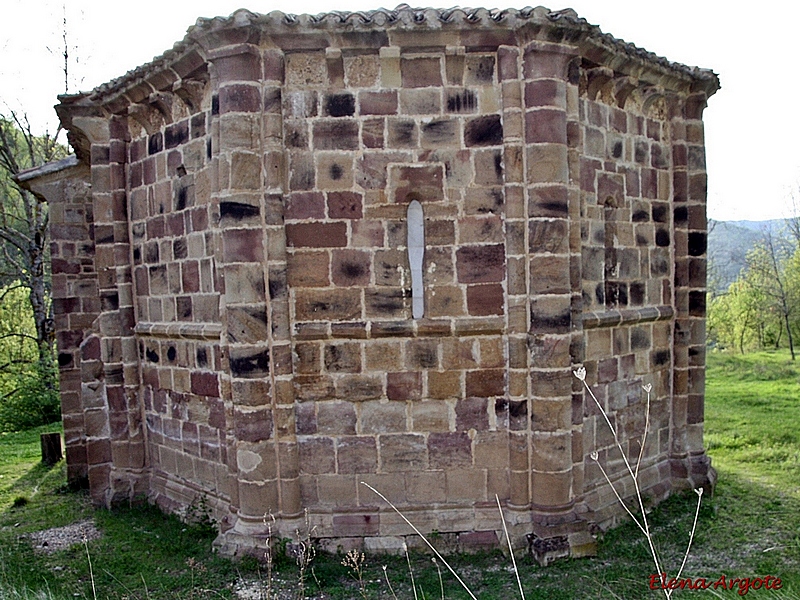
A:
(749, 528)
(753, 418)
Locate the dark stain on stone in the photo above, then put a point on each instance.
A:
(660, 357)
(497, 196)
(498, 165)
(109, 301)
(184, 307)
(340, 105)
(484, 131)
(179, 248)
(640, 152)
(336, 172)
(237, 210)
(518, 408)
(155, 143)
(352, 270)
(320, 306)
(662, 238)
(176, 134)
(639, 339)
(462, 101)
(172, 353)
(697, 303)
(425, 358)
(557, 208)
(277, 285)
(616, 151)
(151, 253)
(600, 294)
(246, 366)
(483, 69)
(202, 357)
(151, 355)
(658, 266)
(550, 322)
(637, 291)
(697, 243)
(660, 213)
(180, 198)
(404, 132)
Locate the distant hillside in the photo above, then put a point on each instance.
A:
(728, 245)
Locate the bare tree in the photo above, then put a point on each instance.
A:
(24, 244)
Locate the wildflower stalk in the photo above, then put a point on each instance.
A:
(510, 549)
(439, 572)
(411, 572)
(424, 539)
(642, 523)
(389, 583)
(354, 560)
(91, 573)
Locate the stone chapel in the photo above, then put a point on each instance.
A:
(297, 253)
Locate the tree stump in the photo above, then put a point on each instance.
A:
(51, 448)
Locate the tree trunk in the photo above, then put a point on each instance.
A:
(789, 334)
(39, 304)
(51, 448)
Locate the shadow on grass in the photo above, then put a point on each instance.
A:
(25, 485)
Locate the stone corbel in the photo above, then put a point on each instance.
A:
(190, 92)
(162, 102)
(596, 79)
(650, 95)
(335, 63)
(147, 116)
(623, 86)
(694, 105)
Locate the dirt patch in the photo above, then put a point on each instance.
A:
(61, 538)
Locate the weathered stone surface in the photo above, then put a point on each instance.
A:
(480, 264)
(231, 271)
(402, 452)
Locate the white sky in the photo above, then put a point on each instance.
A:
(751, 133)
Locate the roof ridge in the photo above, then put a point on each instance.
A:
(402, 15)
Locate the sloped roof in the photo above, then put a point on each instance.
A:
(572, 27)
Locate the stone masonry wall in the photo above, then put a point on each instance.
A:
(178, 284)
(234, 289)
(76, 304)
(635, 259)
(416, 409)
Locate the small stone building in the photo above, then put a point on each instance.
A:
(294, 254)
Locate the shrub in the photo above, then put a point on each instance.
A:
(31, 398)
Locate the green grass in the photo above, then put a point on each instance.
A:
(753, 418)
(749, 528)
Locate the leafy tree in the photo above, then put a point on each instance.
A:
(736, 318)
(764, 303)
(770, 274)
(28, 391)
(28, 395)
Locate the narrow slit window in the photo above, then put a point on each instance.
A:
(416, 253)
